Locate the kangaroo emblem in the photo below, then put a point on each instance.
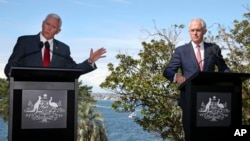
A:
(36, 105)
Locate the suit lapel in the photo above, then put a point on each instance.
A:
(54, 57)
(207, 53)
(39, 46)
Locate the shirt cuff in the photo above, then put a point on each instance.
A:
(174, 80)
(92, 65)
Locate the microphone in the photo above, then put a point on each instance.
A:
(40, 45)
(61, 55)
(214, 51)
(217, 52)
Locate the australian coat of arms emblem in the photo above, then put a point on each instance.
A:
(214, 109)
(45, 109)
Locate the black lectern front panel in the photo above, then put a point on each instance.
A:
(213, 105)
(43, 114)
(43, 104)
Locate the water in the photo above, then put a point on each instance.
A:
(3, 130)
(119, 126)
(122, 128)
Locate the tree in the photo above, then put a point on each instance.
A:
(140, 83)
(4, 98)
(90, 122)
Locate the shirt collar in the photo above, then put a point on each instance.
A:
(201, 45)
(43, 39)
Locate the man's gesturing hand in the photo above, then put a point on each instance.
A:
(94, 56)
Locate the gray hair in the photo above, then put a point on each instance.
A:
(54, 16)
(203, 23)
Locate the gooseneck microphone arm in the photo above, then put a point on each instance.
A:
(215, 53)
(61, 55)
(40, 46)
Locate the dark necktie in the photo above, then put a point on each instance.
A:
(46, 55)
(198, 56)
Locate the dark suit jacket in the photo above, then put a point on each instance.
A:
(27, 53)
(184, 58)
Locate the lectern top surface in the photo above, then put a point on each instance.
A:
(216, 77)
(44, 74)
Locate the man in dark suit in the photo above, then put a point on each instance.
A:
(29, 50)
(189, 61)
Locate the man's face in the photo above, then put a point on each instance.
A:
(50, 27)
(196, 32)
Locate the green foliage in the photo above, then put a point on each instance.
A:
(4, 98)
(140, 83)
(90, 122)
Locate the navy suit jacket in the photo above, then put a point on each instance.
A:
(27, 52)
(184, 59)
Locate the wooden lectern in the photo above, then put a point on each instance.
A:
(43, 104)
(213, 102)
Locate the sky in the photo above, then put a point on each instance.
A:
(113, 24)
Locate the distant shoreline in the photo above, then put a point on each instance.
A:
(106, 96)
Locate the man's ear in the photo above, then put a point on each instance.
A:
(204, 31)
(58, 31)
